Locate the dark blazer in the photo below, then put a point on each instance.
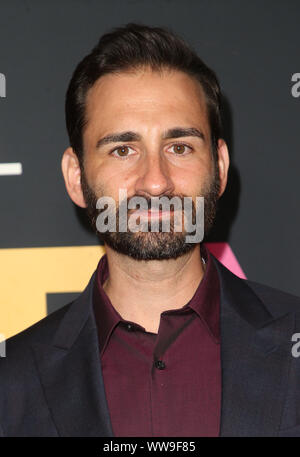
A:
(51, 382)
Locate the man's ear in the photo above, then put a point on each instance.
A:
(223, 162)
(72, 176)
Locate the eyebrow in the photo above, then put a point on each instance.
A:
(175, 132)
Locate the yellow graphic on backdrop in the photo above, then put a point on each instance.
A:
(28, 274)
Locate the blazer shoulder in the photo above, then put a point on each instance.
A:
(17, 367)
(47, 329)
(41, 331)
(276, 300)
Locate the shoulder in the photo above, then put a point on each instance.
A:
(42, 330)
(18, 376)
(276, 300)
(63, 323)
(17, 347)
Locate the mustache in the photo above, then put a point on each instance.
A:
(148, 202)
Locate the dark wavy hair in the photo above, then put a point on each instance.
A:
(131, 47)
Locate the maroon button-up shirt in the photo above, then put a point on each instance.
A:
(169, 383)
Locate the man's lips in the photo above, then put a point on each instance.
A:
(152, 213)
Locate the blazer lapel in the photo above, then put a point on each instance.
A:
(71, 375)
(255, 354)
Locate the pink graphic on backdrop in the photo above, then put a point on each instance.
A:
(223, 252)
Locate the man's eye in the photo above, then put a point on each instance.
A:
(121, 151)
(181, 148)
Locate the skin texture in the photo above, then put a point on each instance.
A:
(148, 103)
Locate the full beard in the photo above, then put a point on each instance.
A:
(149, 245)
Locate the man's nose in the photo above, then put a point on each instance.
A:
(154, 177)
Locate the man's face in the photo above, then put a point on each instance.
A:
(150, 164)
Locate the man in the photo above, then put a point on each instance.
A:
(164, 341)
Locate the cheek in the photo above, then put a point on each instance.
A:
(99, 174)
(194, 181)
(188, 181)
(108, 182)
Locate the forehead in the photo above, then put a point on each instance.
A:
(147, 97)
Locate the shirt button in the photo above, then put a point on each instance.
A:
(130, 327)
(159, 364)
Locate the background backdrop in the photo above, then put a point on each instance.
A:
(47, 254)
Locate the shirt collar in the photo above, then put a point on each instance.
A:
(205, 301)
(107, 318)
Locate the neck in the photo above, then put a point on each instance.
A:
(141, 290)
